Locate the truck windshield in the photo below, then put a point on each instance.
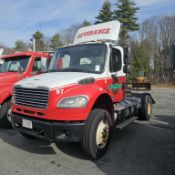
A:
(80, 58)
(13, 63)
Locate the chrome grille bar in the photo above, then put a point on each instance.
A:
(31, 97)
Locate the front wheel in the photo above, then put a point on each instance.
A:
(97, 133)
(5, 114)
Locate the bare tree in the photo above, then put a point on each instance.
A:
(149, 36)
(157, 34)
(167, 38)
(68, 34)
(21, 46)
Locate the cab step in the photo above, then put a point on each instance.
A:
(125, 123)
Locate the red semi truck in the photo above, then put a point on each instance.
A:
(15, 67)
(82, 98)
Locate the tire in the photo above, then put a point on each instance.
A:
(145, 112)
(4, 112)
(97, 133)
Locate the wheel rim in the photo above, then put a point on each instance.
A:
(102, 134)
(9, 115)
(149, 108)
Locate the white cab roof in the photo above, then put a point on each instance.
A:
(108, 31)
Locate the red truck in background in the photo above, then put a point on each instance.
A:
(16, 67)
(83, 96)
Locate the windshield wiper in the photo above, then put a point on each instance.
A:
(52, 70)
(72, 70)
(67, 70)
(12, 71)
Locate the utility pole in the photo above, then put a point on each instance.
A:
(1, 51)
(33, 43)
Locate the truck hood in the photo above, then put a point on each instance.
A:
(55, 79)
(8, 78)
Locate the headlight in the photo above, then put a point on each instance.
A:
(73, 102)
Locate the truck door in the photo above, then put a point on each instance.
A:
(117, 86)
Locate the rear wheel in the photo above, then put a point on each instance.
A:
(97, 133)
(145, 111)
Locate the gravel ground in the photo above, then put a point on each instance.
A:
(142, 148)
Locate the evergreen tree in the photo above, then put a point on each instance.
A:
(85, 23)
(140, 61)
(39, 41)
(105, 13)
(126, 14)
(55, 41)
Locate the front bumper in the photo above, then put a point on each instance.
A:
(50, 130)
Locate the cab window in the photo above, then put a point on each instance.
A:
(115, 61)
(37, 65)
(12, 64)
(41, 64)
(80, 58)
(63, 62)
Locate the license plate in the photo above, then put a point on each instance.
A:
(27, 124)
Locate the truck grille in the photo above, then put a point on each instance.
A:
(37, 98)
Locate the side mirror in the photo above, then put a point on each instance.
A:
(127, 69)
(127, 53)
(20, 70)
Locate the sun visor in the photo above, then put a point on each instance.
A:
(108, 31)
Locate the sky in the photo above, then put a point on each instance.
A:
(19, 19)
